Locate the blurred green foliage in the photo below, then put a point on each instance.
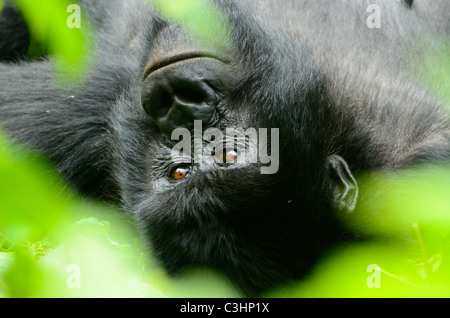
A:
(51, 30)
(25, 224)
(201, 18)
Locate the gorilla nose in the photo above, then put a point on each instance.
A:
(176, 95)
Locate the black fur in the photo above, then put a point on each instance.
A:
(14, 35)
(331, 85)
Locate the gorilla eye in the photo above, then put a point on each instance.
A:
(228, 157)
(180, 173)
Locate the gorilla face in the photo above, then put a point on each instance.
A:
(308, 89)
(226, 215)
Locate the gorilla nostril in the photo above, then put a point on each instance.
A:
(163, 105)
(190, 93)
(157, 100)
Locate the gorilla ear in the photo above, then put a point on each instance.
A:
(344, 186)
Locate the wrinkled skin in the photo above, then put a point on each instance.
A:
(345, 98)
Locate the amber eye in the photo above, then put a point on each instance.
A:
(180, 173)
(229, 157)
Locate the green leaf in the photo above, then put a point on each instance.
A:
(392, 202)
(92, 225)
(345, 273)
(435, 262)
(32, 203)
(6, 260)
(24, 278)
(200, 18)
(71, 48)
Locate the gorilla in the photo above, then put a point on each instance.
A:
(343, 90)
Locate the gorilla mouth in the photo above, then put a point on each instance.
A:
(178, 58)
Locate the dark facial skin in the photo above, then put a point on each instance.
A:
(316, 72)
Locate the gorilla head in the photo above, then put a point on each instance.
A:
(261, 229)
